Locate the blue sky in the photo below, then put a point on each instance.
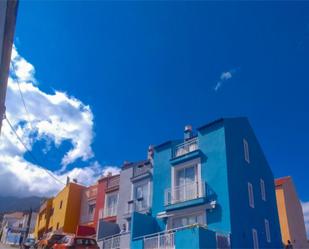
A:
(146, 69)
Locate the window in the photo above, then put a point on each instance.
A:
(267, 231)
(60, 205)
(186, 187)
(57, 226)
(188, 220)
(141, 196)
(255, 239)
(246, 151)
(91, 208)
(263, 192)
(250, 194)
(111, 202)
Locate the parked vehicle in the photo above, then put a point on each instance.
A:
(49, 240)
(76, 242)
(28, 244)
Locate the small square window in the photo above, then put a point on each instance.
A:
(60, 205)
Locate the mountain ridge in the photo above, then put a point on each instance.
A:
(10, 204)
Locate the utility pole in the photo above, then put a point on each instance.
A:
(28, 224)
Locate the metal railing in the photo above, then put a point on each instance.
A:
(140, 170)
(186, 147)
(113, 182)
(116, 241)
(223, 241)
(184, 192)
(161, 241)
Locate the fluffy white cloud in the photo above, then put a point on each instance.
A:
(224, 77)
(54, 117)
(305, 206)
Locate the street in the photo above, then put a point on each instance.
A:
(3, 246)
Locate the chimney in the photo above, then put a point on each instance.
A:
(75, 180)
(188, 132)
(150, 153)
(68, 180)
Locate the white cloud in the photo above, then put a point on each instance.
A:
(54, 117)
(305, 206)
(224, 77)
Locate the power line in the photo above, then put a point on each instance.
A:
(30, 153)
(22, 96)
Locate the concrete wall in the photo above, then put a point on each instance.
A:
(291, 215)
(124, 195)
(214, 173)
(243, 217)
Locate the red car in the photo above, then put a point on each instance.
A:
(76, 242)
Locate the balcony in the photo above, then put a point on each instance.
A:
(116, 241)
(142, 169)
(164, 241)
(185, 148)
(183, 193)
(192, 236)
(113, 182)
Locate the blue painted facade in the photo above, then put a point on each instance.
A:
(221, 205)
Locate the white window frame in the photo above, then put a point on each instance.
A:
(198, 177)
(105, 202)
(137, 184)
(255, 239)
(246, 150)
(263, 190)
(250, 195)
(267, 231)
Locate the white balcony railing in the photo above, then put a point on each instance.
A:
(186, 147)
(112, 243)
(160, 241)
(184, 192)
(111, 211)
(117, 241)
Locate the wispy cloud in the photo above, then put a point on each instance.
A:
(305, 206)
(55, 118)
(225, 76)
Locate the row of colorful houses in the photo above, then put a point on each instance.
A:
(15, 227)
(211, 189)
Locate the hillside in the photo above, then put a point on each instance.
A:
(11, 204)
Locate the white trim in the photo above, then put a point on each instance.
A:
(267, 231)
(246, 151)
(250, 195)
(198, 173)
(263, 190)
(255, 239)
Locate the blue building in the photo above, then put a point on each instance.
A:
(212, 189)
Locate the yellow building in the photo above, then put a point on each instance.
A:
(43, 218)
(64, 212)
(290, 214)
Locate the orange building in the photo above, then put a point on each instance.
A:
(43, 218)
(290, 213)
(61, 213)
